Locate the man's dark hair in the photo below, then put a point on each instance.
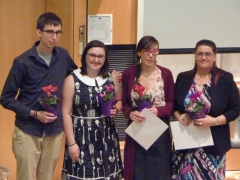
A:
(48, 18)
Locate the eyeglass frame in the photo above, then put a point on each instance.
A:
(58, 33)
(206, 54)
(93, 56)
(150, 51)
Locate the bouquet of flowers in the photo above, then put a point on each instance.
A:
(50, 102)
(107, 99)
(197, 107)
(142, 100)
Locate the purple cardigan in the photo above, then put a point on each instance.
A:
(128, 78)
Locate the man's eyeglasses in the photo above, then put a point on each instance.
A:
(94, 56)
(206, 54)
(51, 33)
(154, 52)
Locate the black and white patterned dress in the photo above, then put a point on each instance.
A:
(95, 134)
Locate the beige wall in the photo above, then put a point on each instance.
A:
(17, 34)
(80, 18)
(57, 6)
(124, 18)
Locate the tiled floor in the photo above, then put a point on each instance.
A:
(232, 175)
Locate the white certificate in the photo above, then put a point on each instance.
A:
(186, 137)
(100, 28)
(148, 131)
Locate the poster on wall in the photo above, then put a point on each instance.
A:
(100, 28)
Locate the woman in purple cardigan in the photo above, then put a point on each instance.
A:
(155, 83)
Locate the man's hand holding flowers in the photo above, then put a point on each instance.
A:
(43, 116)
(47, 100)
(46, 117)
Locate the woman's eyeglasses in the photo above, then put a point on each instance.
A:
(154, 52)
(94, 56)
(206, 54)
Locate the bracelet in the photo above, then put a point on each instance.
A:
(35, 114)
(71, 144)
(217, 122)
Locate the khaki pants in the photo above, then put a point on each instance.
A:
(36, 157)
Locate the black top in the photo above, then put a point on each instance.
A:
(224, 101)
(29, 73)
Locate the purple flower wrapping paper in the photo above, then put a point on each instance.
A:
(143, 103)
(106, 105)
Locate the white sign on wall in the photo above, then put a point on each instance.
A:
(100, 28)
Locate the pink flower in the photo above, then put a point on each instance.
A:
(194, 97)
(109, 89)
(197, 102)
(190, 108)
(108, 93)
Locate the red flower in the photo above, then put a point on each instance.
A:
(49, 89)
(139, 88)
(139, 93)
(50, 99)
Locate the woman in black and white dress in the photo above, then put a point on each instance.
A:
(92, 150)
